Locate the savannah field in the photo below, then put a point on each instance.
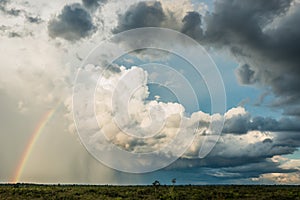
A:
(188, 192)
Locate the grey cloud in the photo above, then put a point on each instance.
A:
(3, 28)
(290, 139)
(233, 151)
(93, 4)
(229, 168)
(3, 4)
(268, 54)
(15, 12)
(157, 14)
(35, 20)
(281, 144)
(235, 154)
(292, 111)
(192, 25)
(244, 160)
(3, 1)
(142, 14)
(268, 140)
(152, 14)
(241, 124)
(237, 124)
(246, 75)
(241, 22)
(14, 34)
(72, 24)
(254, 170)
(12, 11)
(212, 162)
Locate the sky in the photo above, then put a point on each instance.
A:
(129, 92)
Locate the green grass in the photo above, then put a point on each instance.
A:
(30, 191)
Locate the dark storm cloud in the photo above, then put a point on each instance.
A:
(93, 4)
(293, 111)
(213, 162)
(282, 143)
(224, 155)
(287, 139)
(192, 25)
(234, 175)
(244, 160)
(241, 22)
(268, 55)
(253, 159)
(72, 24)
(254, 170)
(142, 14)
(233, 168)
(241, 124)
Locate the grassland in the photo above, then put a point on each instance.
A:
(30, 191)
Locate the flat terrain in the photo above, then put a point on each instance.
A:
(29, 191)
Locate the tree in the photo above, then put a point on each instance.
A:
(173, 181)
(156, 183)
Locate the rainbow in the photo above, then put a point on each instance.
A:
(33, 139)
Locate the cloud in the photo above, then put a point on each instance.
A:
(177, 15)
(252, 155)
(9, 11)
(245, 75)
(139, 122)
(164, 14)
(249, 144)
(283, 178)
(30, 86)
(263, 37)
(142, 14)
(292, 111)
(241, 122)
(192, 25)
(93, 4)
(73, 23)
(280, 178)
(243, 157)
(245, 151)
(32, 19)
(241, 22)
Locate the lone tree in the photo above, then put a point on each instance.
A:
(173, 181)
(156, 183)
